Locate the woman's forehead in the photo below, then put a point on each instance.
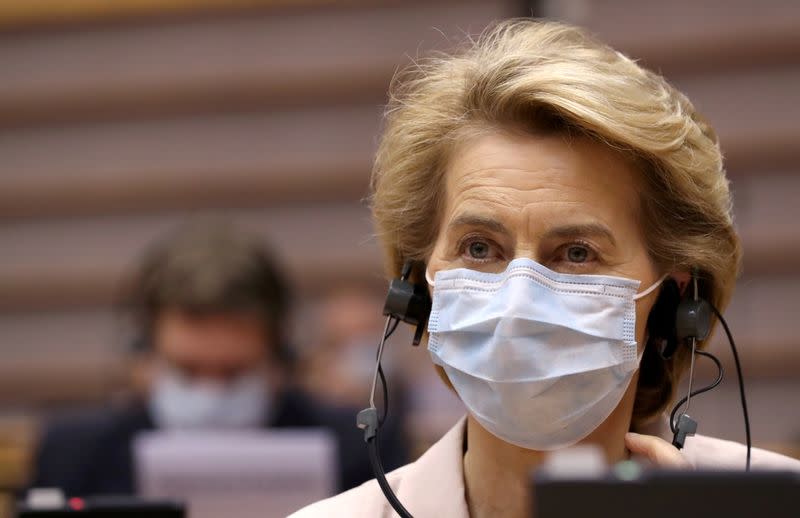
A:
(541, 181)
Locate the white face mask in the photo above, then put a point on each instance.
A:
(539, 358)
(178, 402)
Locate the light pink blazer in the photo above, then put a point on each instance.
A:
(433, 486)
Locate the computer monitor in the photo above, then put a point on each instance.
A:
(102, 507)
(670, 494)
(244, 474)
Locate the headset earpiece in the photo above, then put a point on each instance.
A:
(674, 320)
(693, 319)
(408, 302)
(692, 324)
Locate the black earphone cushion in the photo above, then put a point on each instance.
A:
(675, 319)
(693, 319)
(408, 302)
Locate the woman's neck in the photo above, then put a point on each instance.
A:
(497, 474)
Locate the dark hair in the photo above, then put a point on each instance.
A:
(210, 267)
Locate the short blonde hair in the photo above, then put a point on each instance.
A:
(549, 77)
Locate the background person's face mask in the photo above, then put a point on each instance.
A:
(177, 402)
(539, 358)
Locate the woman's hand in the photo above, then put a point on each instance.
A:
(656, 450)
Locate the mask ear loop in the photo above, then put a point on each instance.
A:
(652, 288)
(428, 279)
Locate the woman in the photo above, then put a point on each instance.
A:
(562, 200)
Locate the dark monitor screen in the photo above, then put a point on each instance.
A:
(685, 494)
(107, 507)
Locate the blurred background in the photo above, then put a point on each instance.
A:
(120, 120)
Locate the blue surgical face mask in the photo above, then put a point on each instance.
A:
(178, 402)
(539, 358)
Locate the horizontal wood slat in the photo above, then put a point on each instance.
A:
(221, 160)
(43, 13)
(303, 57)
(754, 112)
(689, 36)
(60, 263)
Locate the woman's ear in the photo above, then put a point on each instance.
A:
(682, 279)
(661, 321)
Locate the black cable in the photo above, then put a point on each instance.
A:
(741, 383)
(372, 432)
(377, 468)
(391, 330)
(382, 417)
(382, 376)
(713, 384)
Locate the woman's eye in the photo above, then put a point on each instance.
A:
(577, 254)
(478, 250)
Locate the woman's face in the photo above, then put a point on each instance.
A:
(571, 205)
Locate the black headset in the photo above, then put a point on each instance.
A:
(405, 302)
(674, 319)
(408, 302)
(693, 320)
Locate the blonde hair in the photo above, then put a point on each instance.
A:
(550, 77)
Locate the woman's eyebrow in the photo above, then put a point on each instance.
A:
(582, 230)
(473, 220)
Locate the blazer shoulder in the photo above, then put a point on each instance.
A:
(68, 448)
(91, 424)
(713, 453)
(70, 439)
(74, 431)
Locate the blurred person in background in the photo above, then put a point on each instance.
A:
(341, 363)
(211, 309)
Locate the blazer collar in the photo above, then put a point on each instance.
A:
(434, 484)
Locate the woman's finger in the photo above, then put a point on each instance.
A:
(656, 450)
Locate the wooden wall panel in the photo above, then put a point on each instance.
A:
(83, 261)
(201, 161)
(685, 35)
(754, 112)
(38, 13)
(60, 356)
(308, 153)
(233, 61)
(766, 216)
